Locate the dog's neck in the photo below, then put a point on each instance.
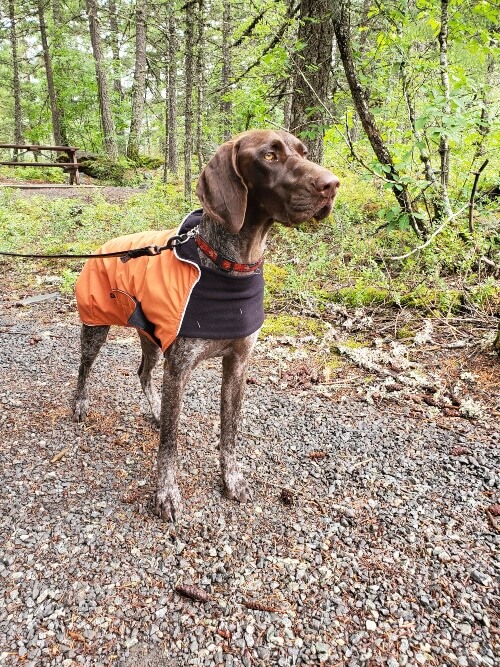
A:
(246, 247)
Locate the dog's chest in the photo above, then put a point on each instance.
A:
(220, 305)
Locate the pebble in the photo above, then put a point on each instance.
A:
(481, 578)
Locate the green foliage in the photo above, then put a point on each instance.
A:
(69, 278)
(34, 174)
(52, 226)
(290, 325)
(361, 295)
(400, 67)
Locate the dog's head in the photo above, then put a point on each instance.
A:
(265, 175)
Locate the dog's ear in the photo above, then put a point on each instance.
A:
(221, 188)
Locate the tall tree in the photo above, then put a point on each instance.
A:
(115, 49)
(200, 83)
(444, 144)
(55, 110)
(108, 126)
(341, 24)
(16, 87)
(188, 96)
(312, 74)
(59, 65)
(172, 154)
(226, 105)
(139, 87)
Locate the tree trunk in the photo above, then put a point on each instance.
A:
(172, 154)
(341, 25)
(58, 66)
(115, 49)
(444, 148)
(188, 94)
(442, 201)
(54, 106)
(108, 126)
(16, 88)
(56, 12)
(139, 88)
(200, 85)
(312, 74)
(484, 124)
(225, 105)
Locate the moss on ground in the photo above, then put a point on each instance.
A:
(292, 325)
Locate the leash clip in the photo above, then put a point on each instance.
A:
(175, 241)
(148, 251)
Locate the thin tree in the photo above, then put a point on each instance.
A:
(115, 49)
(108, 126)
(200, 84)
(59, 65)
(341, 25)
(486, 116)
(226, 105)
(55, 110)
(171, 150)
(444, 144)
(139, 87)
(188, 96)
(16, 87)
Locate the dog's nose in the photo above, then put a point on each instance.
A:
(327, 184)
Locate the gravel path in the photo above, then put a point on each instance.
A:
(380, 551)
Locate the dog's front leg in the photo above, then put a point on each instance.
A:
(168, 497)
(234, 369)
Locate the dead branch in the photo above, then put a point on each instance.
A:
(473, 195)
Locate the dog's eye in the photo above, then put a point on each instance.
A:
(270, 156)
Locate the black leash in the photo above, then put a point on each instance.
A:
(124, 255)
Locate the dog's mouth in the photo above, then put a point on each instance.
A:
(303, 209)
(324, 211)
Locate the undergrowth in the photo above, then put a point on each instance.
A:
(342, 260)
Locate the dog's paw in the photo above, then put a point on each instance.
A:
(236, 488)
(80, 411)
(168, 504)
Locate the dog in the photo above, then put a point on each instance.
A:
(257, 178)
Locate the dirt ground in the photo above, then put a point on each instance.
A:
(86, 191)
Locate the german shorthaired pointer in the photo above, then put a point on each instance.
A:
(253, 180)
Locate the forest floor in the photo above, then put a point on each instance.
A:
(372, 533)
(113, 194)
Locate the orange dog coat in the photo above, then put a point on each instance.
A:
(149, 293)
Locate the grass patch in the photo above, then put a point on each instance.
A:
(35, 174)
(291, 325)
(361, 295)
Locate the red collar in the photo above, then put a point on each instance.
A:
(222, 262)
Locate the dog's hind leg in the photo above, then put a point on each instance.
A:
(150, 355)
(92, 339)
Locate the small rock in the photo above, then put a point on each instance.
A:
(481, 578)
